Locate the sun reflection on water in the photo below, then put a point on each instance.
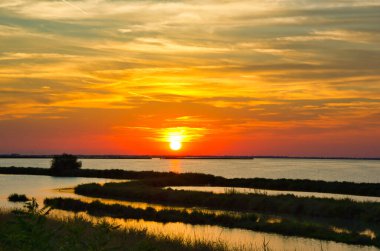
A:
(175, 166)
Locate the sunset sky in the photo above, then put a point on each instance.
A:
(257, 77)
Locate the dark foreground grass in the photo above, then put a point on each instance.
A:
(274, 204)
(246, 221)
(196, 179)
(36, 232)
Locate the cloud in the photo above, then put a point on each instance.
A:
(338, 35)
(221, 66)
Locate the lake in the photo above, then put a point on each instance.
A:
(314, 169)
(329, 170)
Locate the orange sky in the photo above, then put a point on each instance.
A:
(287, 77)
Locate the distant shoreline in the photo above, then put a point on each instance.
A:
(205, 157)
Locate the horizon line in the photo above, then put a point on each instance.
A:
(171, 156)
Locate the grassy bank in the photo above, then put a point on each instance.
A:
(34, 232)
(245, 221)
(274, 204)
(196, 179)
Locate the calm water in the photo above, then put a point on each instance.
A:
(39, 187)
(330, 170)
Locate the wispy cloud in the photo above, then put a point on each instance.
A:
(75, 6)
(338, 35)
(239, 67)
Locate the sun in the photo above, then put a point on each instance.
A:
(175, 145)
(175, 141)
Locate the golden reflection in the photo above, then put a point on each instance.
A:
(369, 233)
(175, 165)
(274, 220)
(340, 230)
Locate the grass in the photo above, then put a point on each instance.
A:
(18, 198)
(31, 230)
(274, 204)
(162, 179)
(248, 221)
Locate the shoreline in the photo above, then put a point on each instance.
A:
(199, 179)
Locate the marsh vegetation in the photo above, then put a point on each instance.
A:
(274, 204)
(250, 221)
(162, 179)
(30, 229)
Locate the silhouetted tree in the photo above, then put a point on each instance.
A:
(65, 162)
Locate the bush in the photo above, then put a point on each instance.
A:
(65, 162)
(17, 198)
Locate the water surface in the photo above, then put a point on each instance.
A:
(39, 187)
(314, 169)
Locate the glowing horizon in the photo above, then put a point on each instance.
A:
(295, 78)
